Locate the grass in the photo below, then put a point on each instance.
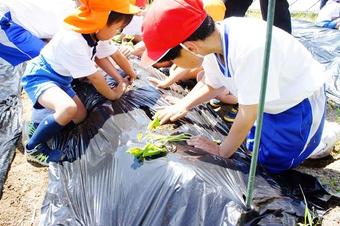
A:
(337, 115)
(309, 16)
(309, 218)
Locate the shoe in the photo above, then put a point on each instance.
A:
(42, 155)
(215, 103)
(27, 133)
(330, 136)
(230, 115)
(37, 156)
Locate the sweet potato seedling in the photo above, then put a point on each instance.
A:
(154, 124)
(155, 143)
(149, 150)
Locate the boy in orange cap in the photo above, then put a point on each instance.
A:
(231, 53)
(74, 53)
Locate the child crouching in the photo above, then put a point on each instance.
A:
(73, 53)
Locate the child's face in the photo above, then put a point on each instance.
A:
(108, 32)
(187, 59)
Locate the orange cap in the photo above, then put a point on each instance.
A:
(215, 8)
(92, 15)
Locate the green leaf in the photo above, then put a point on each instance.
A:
(152, 150)
(135, 151)
(147, 151)
(154, 124)
(308, 219)
(139, 136)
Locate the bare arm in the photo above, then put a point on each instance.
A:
(124, 64)
(244, 121)
(198, 95)
(177, 74)
(99, 82)
(108, 67)
(201, 93)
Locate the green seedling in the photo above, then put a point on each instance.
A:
(155, 145)
(308, 219)
(140, 136)
(149, 150)
(154, 124)
(152, 150)
(135, 151)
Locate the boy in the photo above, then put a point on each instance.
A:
(218, 10)
(26, 24)
(295, 101)
(71, 54)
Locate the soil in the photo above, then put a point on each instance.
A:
(25, 187)
(26, 184)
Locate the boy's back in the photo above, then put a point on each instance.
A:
(293, 73)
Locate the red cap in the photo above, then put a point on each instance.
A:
(167, 23)
(141, 3)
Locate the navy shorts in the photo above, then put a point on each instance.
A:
(286, 138)
(39, 76)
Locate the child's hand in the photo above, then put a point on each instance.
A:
(131, 78)
(158, 83)
(171, 113)
(119, 90)
(205, 144)
(126, 50)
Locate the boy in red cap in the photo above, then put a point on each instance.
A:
(74, 53)
(231, 53)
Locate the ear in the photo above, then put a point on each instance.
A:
(192, 46)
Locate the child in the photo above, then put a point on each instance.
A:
(70, 54)
(26, 24)
(216, 9)
(329, 15)
(233, 53)
(132, 33)
(178, 74)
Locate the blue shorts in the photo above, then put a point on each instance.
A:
(18, 45)
(39, 77)
(285, 139)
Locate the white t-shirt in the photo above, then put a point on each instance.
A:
(293, 73)
(69, 54)
(329, 12)
(43, 18)
(134, 27)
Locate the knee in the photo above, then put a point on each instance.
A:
(70, 110)
(81, 115)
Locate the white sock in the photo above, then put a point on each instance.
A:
(330, 136)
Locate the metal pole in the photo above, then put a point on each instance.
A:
(251, 179)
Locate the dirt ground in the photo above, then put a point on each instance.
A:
(26, 184)
(24, 189)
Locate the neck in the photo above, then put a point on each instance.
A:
(94, 37)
